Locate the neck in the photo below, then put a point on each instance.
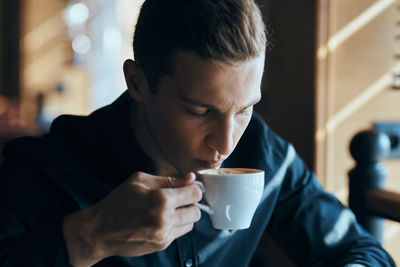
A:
(147, 142)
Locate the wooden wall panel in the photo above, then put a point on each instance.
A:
(344, 11)
(359, 75)
(46, 53)
(355, 64)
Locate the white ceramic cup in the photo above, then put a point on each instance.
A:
(232, 195)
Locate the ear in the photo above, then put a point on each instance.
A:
(135, 80)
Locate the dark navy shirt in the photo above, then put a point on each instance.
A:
(83, 158)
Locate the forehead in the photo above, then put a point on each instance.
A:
(189, 66)
(212, 82)
(185, 58)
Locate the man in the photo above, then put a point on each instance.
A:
(116, 188)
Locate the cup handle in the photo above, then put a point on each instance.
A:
(203, 207)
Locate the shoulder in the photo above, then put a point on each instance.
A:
(71, 132)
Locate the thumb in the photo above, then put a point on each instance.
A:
(173, 182)
(153, 181)
(190, 177)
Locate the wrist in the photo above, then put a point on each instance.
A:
(82, 247)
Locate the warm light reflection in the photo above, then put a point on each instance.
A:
(381, 84)
(42, 34)
(38, 73)
(353, 26)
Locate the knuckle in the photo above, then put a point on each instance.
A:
(170, 181)
(160, 198)
(197, 194)
(162, 241)
(163, 245)
(161, 238)
(159, 211)
(188, 227)
(161, 223)
(197, 213)
(159, 246)
(154, 223)
(137, 175)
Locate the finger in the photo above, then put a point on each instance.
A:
(154, 182)
(179, 231)
(183, 196)
(173, 182)
(186, 215)
(190, 176)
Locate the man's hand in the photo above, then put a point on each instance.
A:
(143, 215)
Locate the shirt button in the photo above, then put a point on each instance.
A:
(188, 262)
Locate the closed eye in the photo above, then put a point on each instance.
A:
(197, 112)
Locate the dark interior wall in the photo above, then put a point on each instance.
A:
(288, 86)
(1, 46)
(9, 49)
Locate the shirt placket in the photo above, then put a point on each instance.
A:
(187, 251)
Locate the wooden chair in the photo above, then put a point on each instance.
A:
(368, 198)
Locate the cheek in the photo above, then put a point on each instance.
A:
(186, 134)
(182, 132)
(240, 128)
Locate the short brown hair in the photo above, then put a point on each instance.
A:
(226, 31)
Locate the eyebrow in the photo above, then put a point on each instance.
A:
(211, 107)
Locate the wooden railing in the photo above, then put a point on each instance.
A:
(368, 198)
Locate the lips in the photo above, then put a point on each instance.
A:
(203, 164)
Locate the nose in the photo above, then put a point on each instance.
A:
(221, 137)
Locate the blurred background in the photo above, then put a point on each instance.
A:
(333, 71)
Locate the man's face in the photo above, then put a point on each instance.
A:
(198, 113)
